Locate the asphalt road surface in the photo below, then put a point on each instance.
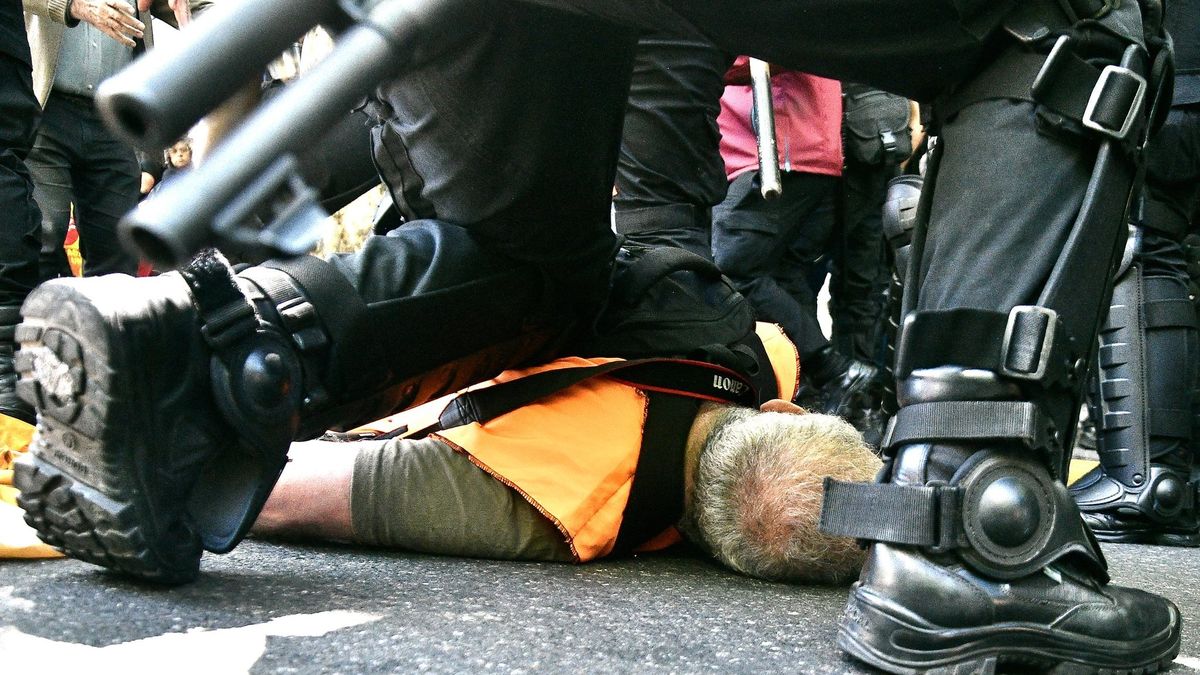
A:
(283, 608)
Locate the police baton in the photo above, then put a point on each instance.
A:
(764, 113)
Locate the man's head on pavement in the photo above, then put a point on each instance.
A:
(756, 489)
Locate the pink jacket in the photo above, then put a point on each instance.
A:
(808, 123)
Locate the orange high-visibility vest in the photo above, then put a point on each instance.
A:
(573, 454)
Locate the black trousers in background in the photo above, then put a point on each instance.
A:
(75, 160)
(859, 271)
(19, 217)
(767, 249)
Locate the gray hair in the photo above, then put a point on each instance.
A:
(758, 488)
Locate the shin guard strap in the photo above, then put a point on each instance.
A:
(971, 421)
(1033, 344)
(917, 515)
(225, 315)
(1002, 514)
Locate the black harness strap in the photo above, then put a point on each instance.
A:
(656, 494)
(672, 376)
(1106, 100)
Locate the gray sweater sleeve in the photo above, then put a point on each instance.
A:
(423, 496)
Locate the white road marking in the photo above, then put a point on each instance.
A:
(198, 651)
(7, 599)
(1189, 661)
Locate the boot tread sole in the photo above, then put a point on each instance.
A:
(78, 485)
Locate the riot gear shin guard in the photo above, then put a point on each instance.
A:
(1143, 377)
(900, 209)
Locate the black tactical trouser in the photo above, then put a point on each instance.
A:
(859, 272)
(767, 248)
(670, 172)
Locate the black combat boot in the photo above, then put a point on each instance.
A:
(10, 404)
(849, 388)
(140, 396)
(980, 558)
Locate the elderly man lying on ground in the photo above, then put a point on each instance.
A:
(564, 479)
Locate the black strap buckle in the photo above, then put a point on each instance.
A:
(1029, 340)
(1121, 82)
(1114, 102)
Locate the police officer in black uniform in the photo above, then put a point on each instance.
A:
(1143, 393)
(504, 139)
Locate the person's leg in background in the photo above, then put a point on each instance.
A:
(811, 237)
(767, 249)
(19, 217)
(107, 180)
(876, 140)
(751, 237)
(1144, 490)
(54, 150)
(859, 273)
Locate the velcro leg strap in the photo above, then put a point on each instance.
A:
(358, 344)
(926, 516)
(1002, 513)
(971, 421)
(1158, 216)
(1170, 313)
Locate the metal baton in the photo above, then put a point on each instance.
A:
(764, 111)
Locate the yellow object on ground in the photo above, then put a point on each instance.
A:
(17, 540)
(1078, 468)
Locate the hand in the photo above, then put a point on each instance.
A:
(183, 11)
(114, 17)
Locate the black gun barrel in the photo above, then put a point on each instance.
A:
(160, 96)
(170, 227)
